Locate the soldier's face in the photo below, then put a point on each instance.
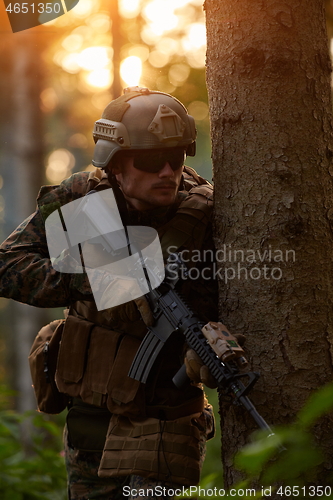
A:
(147, 190)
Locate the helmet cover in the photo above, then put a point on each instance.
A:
(142, 119)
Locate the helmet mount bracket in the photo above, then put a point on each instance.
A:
(167, 124)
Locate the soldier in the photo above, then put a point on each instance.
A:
(120, 432)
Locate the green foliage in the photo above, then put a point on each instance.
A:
(319, 403)
(296, 464)
(31, 465)
(285, 458)
(212, 472)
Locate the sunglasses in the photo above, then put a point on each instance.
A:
(153, 161)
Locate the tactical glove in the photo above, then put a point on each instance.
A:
(226, 346)
(197, 372)
(145, 311)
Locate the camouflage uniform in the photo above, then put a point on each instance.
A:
(26, 275)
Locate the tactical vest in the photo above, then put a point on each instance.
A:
(97, 350)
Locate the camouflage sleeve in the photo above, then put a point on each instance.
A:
(26, 273)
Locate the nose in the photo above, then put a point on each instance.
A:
(166, 171)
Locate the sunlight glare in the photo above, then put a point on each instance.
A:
(100, 78)
(94, 58)
(129, 8)
(83, 8)
(161, 16)
(197, 35)
(70, 63)
(131, 70)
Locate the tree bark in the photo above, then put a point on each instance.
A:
(268, 79)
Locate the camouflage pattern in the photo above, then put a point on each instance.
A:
(26, 273)
(83, 480)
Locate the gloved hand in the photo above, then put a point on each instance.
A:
(225, 345)
(145, 311)
(197, 371)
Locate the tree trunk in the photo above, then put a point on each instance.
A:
(117, 42)
(268, 79)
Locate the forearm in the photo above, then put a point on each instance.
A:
(26, 272)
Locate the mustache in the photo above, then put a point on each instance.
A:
(165, 184)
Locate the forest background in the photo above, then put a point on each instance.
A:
(56, 80)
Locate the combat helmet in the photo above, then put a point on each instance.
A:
(142, 119)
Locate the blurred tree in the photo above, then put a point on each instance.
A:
(268, 79)
(22, 174)
(117, 42)
(80, 80)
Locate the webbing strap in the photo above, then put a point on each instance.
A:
(153, 445)
(155, 428)
(132, 464)
(174, 412)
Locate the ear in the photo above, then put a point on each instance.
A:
(116, 169)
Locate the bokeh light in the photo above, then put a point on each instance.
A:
(131, 70)
(100, 22)
(94, 58)
(83, 8)
(49, 99)
(178, 74)
(199, 110)
(158, 59)
(59, 165)
(129, 8)
(161, 16)
(100, 78)
(197, 35)
(72, 42)
(78, 140)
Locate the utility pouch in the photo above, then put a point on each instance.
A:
(87, 426)
(42, 361)
(73, 352)
(93, 364)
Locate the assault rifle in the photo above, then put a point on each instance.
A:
(224, 357)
